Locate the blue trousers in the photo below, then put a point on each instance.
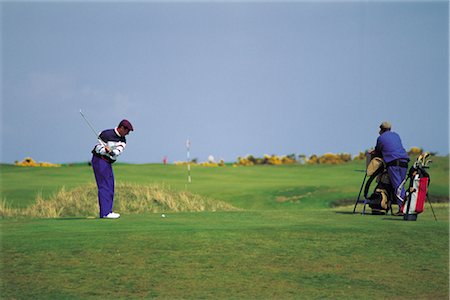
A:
(397, 175)
(104, 177)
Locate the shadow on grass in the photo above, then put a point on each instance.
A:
(383, 217)
(75, 218)
(347, 213)
(356, 213)
(393, 219)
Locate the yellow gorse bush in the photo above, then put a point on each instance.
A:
(360, 156)
(244, 161)
(29, 162)
(328, 158)
(208, 164)
(415, 151)
(275, 160)
(334, 159)
(288, 160)
(313, 159)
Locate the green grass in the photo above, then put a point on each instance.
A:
(246, 187)
(286, 243)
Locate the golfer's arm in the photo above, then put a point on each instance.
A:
(118, 148)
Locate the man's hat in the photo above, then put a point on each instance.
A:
(126, 124)
(385, 125)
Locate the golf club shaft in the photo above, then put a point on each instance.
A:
(92, 128)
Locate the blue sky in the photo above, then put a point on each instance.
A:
(236, 78)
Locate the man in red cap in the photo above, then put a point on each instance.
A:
(111, 144)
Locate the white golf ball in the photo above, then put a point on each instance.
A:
(163, 216)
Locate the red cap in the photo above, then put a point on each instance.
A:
(126, 124)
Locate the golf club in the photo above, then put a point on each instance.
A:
(92, 128)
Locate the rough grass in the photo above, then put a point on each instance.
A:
(129, 199)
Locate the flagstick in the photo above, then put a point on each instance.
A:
(188, 147)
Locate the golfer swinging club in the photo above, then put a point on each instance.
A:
(111, 144)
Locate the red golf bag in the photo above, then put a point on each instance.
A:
(417, 193)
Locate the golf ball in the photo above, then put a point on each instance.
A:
(163, 216)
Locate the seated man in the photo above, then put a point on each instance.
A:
(389, 147)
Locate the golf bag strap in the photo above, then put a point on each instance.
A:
(398, 163)
(374, 175)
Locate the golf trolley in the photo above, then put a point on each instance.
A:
(381, 200)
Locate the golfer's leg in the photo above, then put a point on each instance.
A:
(402, 173)
(395, 175)
(110, 188)
(102, 171)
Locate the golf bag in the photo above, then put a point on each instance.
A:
(417, 193)
(383, 196)
(380, 201)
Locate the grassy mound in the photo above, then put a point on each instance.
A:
(129, 199)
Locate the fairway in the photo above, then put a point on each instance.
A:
(285, 241)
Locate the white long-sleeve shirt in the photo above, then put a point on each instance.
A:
(115, 142)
